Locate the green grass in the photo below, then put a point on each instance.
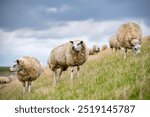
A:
(4, 70)
(108, 77)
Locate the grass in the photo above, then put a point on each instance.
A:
(104, 76)
(4, 71)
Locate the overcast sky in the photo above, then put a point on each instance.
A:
(34, 27)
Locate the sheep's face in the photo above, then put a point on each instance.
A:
(136, 49)
(136, 46)
(15, 67)
(77, 46)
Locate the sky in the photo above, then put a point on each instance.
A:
(34, 27)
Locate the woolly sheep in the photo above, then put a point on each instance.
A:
(91, 51)
(27, 70)
(73, 53)
(104, 47)
(5, 79)
(129, 36)
(94, 50)
(114, 44)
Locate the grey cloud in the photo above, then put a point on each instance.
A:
(25, 23)
(32, 13)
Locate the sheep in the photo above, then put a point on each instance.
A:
(5, 79)
(114, 44)
(129, 36)
(27, 69)
(91, 51)
(70, 54)
(104, 47)
(94, 50)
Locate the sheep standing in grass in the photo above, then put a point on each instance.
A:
(27, 70)
(104, 47)
(129, 36)
(5, 79)
(114, 44)
(73, 53)
(94, 50)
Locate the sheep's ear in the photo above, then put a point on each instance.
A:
(81, 42)
(71, 42)
(17, 61)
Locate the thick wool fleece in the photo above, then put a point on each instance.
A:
(128, 32)
(64, 56)
(113, 42)
(31, 69)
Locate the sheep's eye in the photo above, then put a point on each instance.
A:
(14, 66)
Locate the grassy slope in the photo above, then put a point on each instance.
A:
(4, 71)
(103, 76)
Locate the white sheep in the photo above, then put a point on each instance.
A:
(5, 79)
(114, 44)
(94, 50)
(27, 70)
(103, 47)
(129, 36)
(73, 53)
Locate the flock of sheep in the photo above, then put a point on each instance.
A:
(75, 53)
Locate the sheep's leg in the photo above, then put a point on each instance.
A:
(29, 86)
(114, 50)
(78, 74)
(125, 54)
(72, 69)
(3, 85)
(55, 77)
(60, 72)
(24, 86)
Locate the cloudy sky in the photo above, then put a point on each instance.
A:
(34, 27)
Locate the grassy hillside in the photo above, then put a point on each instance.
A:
(104, 76)
(4, 71)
